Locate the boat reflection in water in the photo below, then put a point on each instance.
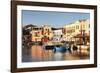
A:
(37, 53)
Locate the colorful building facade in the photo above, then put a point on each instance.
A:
(76, 30)
(70, 32)
(36, 34)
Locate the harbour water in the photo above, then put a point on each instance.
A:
(36, 53)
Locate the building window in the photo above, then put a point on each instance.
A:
(36, 34)
(48, 32)
(77, 27)
(83, 26)
(89, 25)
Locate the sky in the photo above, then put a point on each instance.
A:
(51, 18)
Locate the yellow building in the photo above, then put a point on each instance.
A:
(75, 29)
(36, 34)
(40, 32)
(47, 31)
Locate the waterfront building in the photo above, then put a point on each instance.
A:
(74, 31)
(36, 34)
(42, 33)
(57, 34)
(47, 31)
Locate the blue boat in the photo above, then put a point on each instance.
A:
(59, 48)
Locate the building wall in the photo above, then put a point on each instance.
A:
(68, 31)
(41, 32)
(47, 31)
(37, 35)
(57, 35)
(73, 29)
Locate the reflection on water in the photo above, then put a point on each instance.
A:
(36, 53)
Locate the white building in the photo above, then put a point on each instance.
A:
(57, 35)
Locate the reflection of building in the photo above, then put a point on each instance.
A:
(76, 29)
